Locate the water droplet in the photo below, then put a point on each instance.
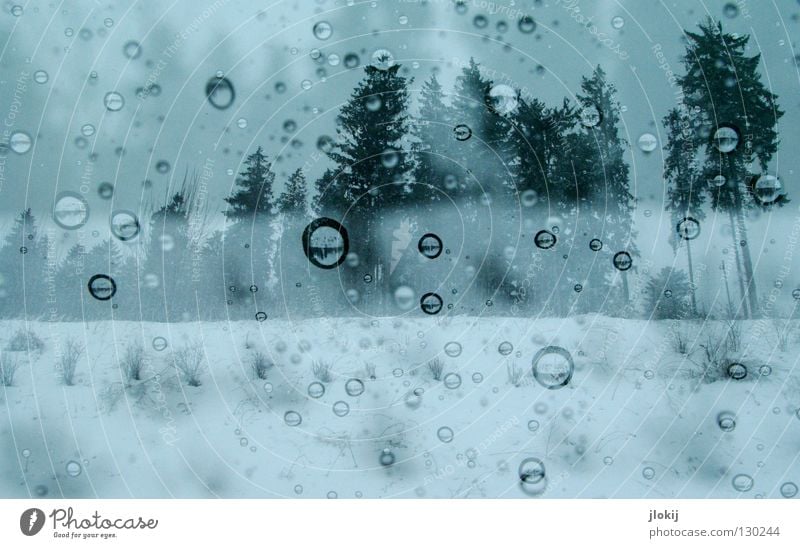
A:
(292, 418)
(789, 490)
(323, 30)
(726, 421)
(387, 458)
(73, 469)
(726, 138)
(114, 101)
(742, 482)
(341, 408)
(132, 49)
(737, 371)
(526, 24)
(553, 367)
(220, 92)
(647, 142)
(354, 387)
(316, 389)
(452, 381)
(730, 10)
(591, 116)
(20, 142)
(71, 211)
(452, 349)
(505, 348)
(531, 470)
(445, 434)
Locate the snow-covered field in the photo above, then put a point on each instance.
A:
(637, 418)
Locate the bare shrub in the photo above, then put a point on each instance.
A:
(24, 339)
(68, 361)
(322, 370)
(260, 364)
(733, 335)
(436, 367)
(782, 328)
(679, 337)
(515, 374)
(133, 362)
(8, 367)
(189, 361)
(715, 355)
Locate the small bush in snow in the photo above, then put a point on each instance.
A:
(133, 362)
(782, 327)
(436, 367)
(322, 371)
(515, 374)
(188, 360)
(24, 339)
(734, 335)
(679, 337)
(260, 364)
(68, 361)
(8, 366)
(715, 356)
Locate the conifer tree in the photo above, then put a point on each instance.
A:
(373, 161)
(434, 133)
(23, 261)
(294, 199)
(723, 87)
(253, 196)
(602, 189)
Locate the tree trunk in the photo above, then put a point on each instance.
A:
(746, 260)
(742, 306)
(692, 287)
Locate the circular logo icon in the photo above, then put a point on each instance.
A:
(31, 521)
(325, 243)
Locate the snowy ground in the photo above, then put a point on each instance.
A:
(636, 420)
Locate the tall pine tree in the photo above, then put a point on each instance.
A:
(723, 87)
(602, 194)
(371, 179)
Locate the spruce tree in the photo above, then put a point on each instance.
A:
(487, 156)
(602, 189)
(294, 199)
(371, 178)
(724, 89)
(253, 196)
(434, 133)
(23, 261)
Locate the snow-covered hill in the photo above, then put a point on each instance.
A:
(636, 419)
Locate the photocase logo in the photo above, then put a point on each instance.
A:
(31, 521)
(402, 237)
